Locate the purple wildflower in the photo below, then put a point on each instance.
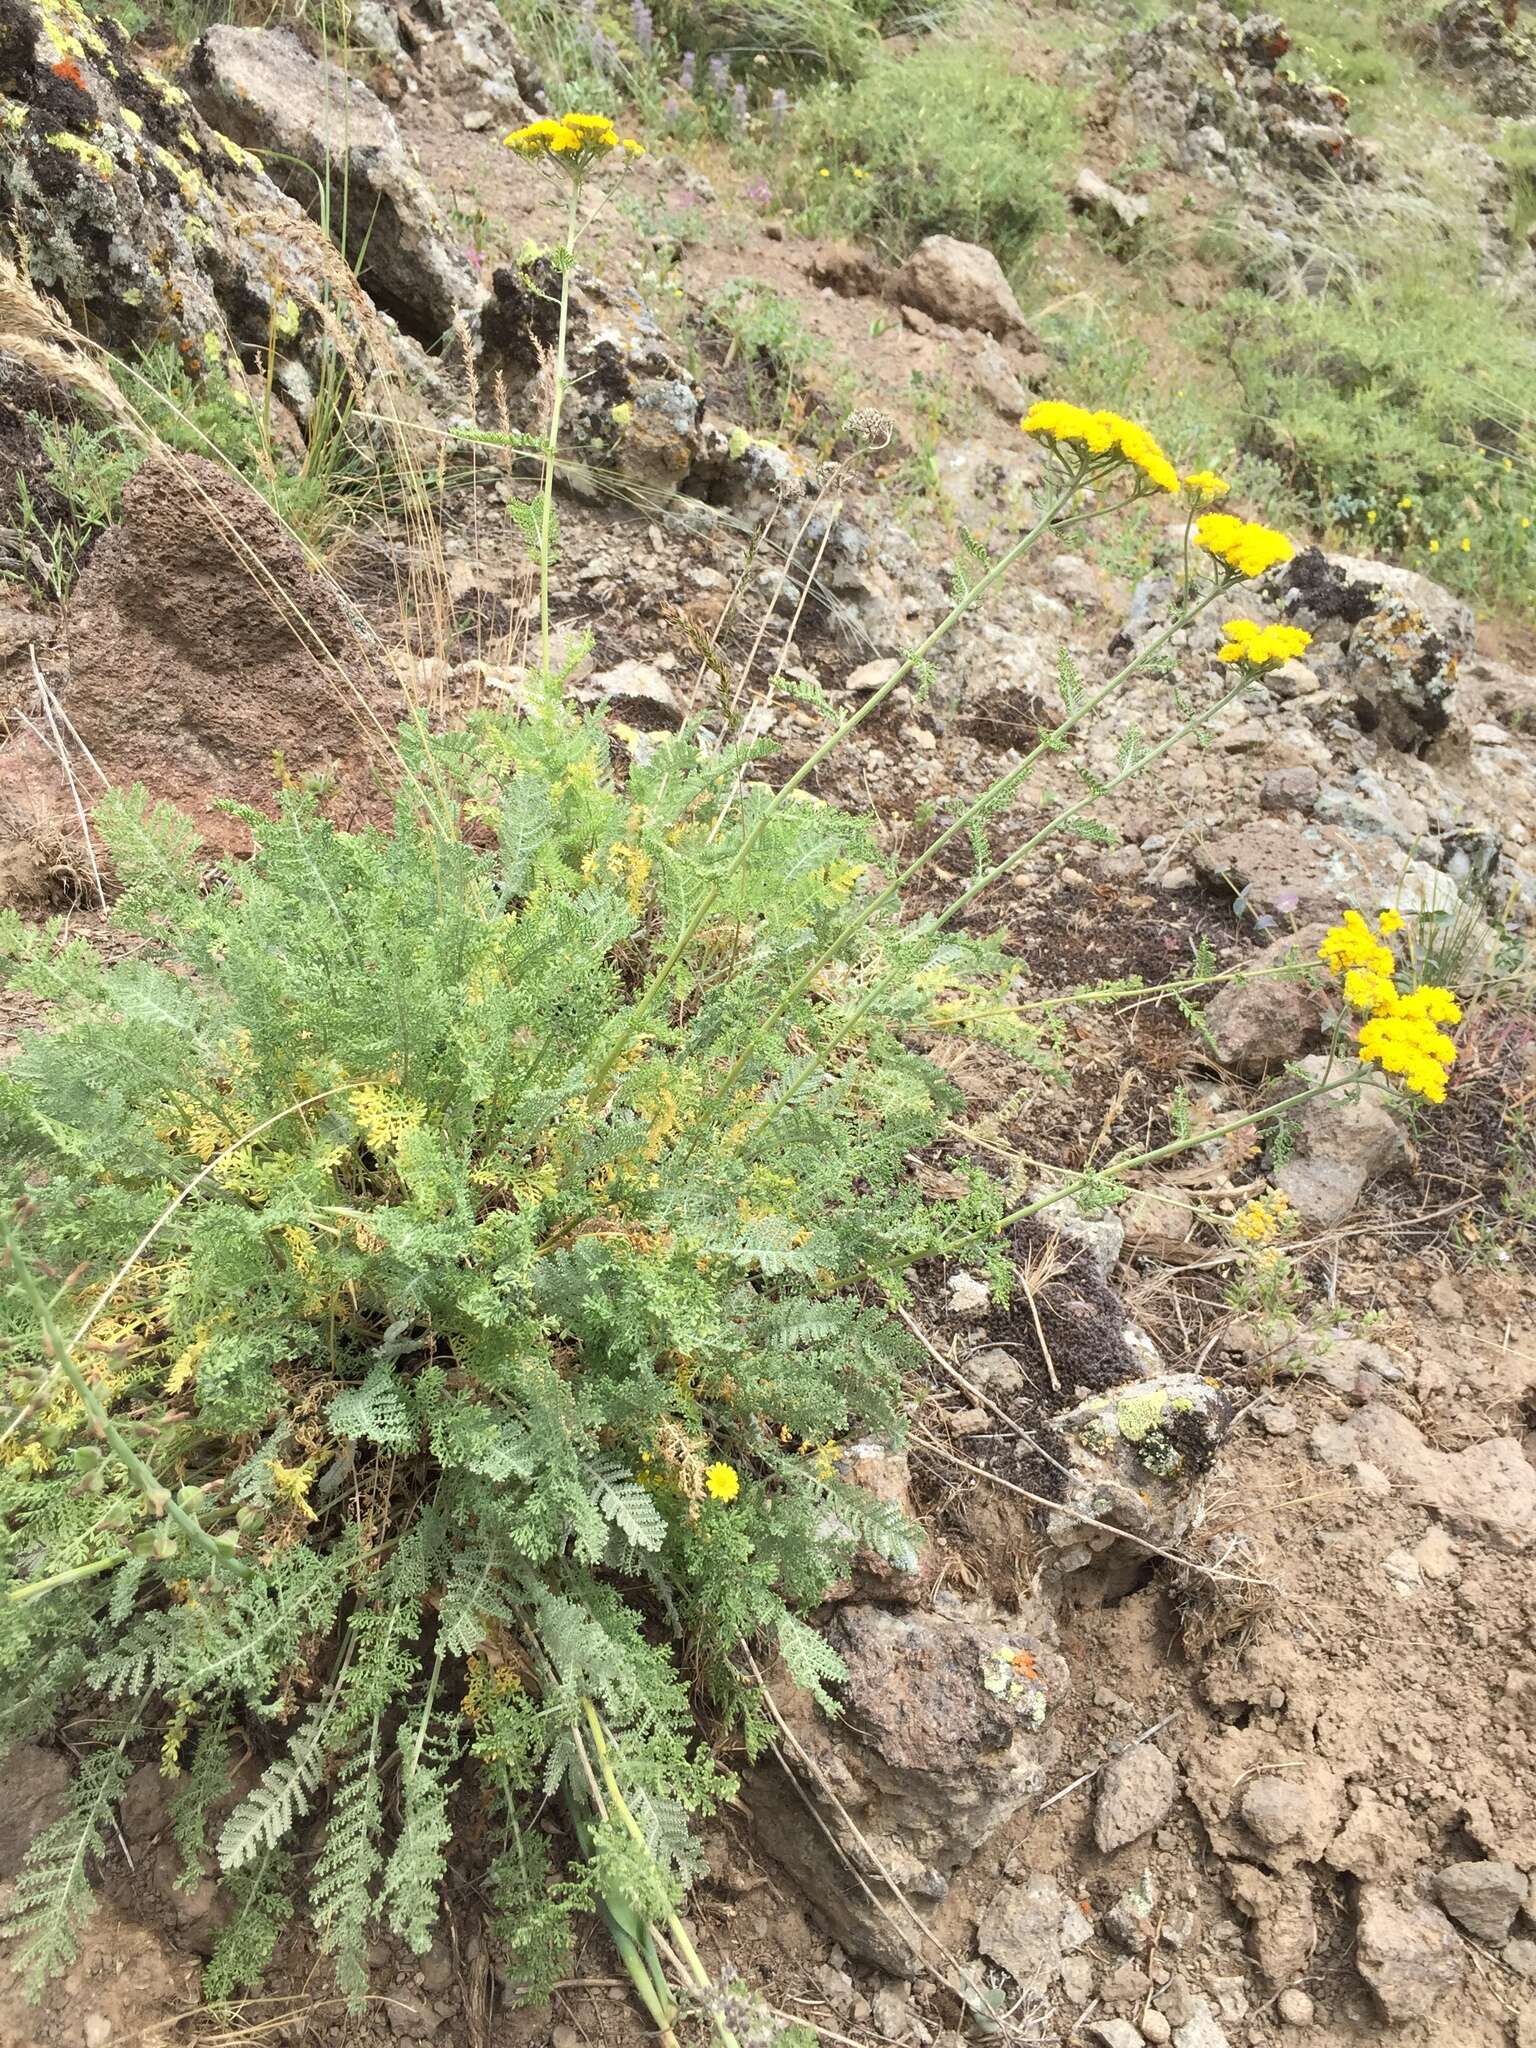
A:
(644, 25)
(719, 75)
(739, 103)
(778, 106)
(685, 75)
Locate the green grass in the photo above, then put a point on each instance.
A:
(945, 140)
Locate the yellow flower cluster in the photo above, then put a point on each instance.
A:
(1248, 549)
(1102, 433)
(1206, 485)
(1401, 1034)
(1406, 1042)
(1262, 1220)
(1354, 944)
(1262, 646)
(573, 142)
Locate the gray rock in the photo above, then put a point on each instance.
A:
(946, 1734)
(1486, 1490)
(1136, 1794)
(960, 283)
(1407, 1953)
(1482, 1897)
(636, 693)
(1200, 2030)
(1344, 1141)
(1289, 789)
(1295, 2007)
(1120, 213)
(1114, 2034)
(313, 122)
(1028, 1927)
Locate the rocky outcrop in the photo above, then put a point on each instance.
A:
(150, 224)
(334, 147)
(201, 649)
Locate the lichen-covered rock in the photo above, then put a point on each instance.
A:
(331, 143)
(146, 222)
(1133, 1457)
(946, 1733)
(1213, 83)
(1485, 40)
(1402, 638)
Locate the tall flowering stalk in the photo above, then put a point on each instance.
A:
(570, 148)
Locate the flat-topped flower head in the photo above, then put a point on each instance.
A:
(1248, 550)
(1101, 434)
(573, 143)
(1206, 485)
(1259, 646)
(1401, 1032)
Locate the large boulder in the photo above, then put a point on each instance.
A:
(960, 283)
(202, 650)
(946, 1733)
(147, 222)
(334, 146)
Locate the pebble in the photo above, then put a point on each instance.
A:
(1295, 2008)
(478, 118)
(1155, 2029)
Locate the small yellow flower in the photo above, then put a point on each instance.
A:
(1434, 547)
(1206, 485)
(1405, 504)
(1466, 545)
(1370, 518)
(723, 1481)
(1390, 921)
(823, 172)
(573, 143)
(1525, 522)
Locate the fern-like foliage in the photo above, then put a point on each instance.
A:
(516, 1195)
(53, 1897)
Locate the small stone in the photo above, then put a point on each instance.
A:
(1118, 213)
(476, 119)
(1483, 1897)
(96, 2029)
(1295, 2008)
(1136, 1794)
(968, 1296)
(1406, 1951)
(1200, 2029)
(1521, 1957)
(1277, 1810)
(1077, 1979)
(1446, 1302)
(1277, 1419)
(1289, 789)
(1155, 2029)
(1128, 1923)
(1114, 2034)
(636, 692)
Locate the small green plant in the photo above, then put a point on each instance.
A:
(789, 372)
(949, 139)
(85, 470)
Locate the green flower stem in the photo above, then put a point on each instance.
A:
(675, 1927)
(995, 793)
(645, 1001)
(160, 1501)
(556, 405)
(18, 1594)
(1132, 1162)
